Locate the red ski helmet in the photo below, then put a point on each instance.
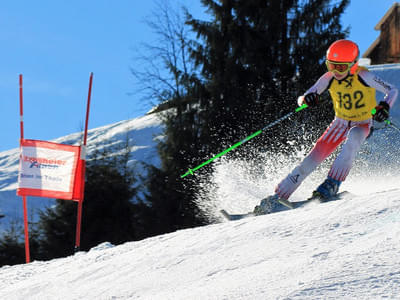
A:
(341, 53)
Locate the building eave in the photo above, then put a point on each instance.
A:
(388, 13)
(372, 47)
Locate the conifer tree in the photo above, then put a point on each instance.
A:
(257, 57)
(254, 58)
(12, 246)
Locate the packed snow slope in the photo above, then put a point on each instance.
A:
(346, 249)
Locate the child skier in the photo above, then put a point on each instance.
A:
(352, 90)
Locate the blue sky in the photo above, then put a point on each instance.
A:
(56, 44)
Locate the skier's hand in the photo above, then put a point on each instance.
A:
(311, 99)
(382, 112)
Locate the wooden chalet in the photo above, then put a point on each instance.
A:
(386, 48)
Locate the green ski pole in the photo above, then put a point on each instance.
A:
(388, 122)
(191, 171)
(393, 125)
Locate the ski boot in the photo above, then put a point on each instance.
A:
(271, 204)
(327, 190)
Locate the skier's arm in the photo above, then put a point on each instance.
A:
(389, 90)
(319, 87)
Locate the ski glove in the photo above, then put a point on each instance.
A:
(311, 99)
(382, 112)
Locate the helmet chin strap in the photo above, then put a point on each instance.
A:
(352, 66)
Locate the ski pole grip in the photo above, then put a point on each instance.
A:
(373, 112)
(301, 107)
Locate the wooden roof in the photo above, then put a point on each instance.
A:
(371, 47)
(388, 13)
(378, 27)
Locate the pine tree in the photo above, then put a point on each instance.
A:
(12, 244)
(258, 56)
(254, 59)
(11, 247)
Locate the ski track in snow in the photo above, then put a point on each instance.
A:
(346, 249)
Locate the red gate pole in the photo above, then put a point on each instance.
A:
(21, 122)
(21, 107)
(83, 157)
(27, 252)
(88, 108)
(78, 226)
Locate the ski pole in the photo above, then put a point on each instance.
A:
(388, 122)
(191, 171)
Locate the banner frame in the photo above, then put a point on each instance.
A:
(81, 159)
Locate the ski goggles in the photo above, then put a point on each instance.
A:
(338, 67)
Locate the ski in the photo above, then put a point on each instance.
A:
(338, 196)
(234, 217)
(285, 205)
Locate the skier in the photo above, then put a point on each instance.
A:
(352, 90)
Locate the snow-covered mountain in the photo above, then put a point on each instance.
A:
(142, 134)
(346, 249)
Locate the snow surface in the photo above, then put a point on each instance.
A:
(346, 249)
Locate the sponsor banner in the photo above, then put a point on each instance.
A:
(48, 169)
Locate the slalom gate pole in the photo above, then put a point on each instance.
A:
(21, 122)
(83, 157)
(191, 171)
(26, 231)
